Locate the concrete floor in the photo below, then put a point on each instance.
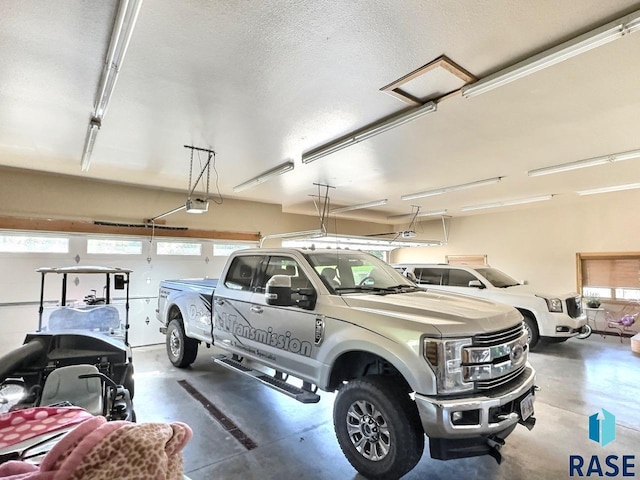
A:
(577, 379)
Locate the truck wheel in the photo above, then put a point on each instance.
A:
(181, 350)
(531, 328)
(378, 427)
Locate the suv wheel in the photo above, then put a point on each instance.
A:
(531, 327)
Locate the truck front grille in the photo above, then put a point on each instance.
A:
(574, 306)
(496, 382)
(494, 359)
(496, 338)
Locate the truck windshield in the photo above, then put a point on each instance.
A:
(497, 278)
(344, 271)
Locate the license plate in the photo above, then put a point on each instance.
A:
(526, 407)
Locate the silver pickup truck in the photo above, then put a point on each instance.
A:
(405, 362)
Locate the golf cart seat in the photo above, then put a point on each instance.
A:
(63, 384)
(103, 318)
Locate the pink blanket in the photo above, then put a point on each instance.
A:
(101, 450)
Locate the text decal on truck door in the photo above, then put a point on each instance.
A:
(267, 337)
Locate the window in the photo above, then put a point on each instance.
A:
(220, 250)
(286, 266)
(27, 244)
(429, 276)
(460, 278)
(466, 259)
(115, 247)
(178, 248)
(241, 272)
(610, 276)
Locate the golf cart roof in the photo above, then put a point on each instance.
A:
(81, 269)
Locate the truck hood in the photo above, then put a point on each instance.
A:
(528, 291)
(444, 314)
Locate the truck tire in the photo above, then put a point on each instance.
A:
(181, 350)
(531, 327)
(378, 427)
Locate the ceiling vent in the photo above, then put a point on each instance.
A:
(434, 80)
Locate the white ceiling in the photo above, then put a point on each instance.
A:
(261, 82)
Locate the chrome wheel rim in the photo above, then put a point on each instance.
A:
(174, 343)
(368, 430)
(529, 333)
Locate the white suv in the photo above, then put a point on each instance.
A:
(556, 317)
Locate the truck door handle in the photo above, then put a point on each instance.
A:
(219, 302)
(256, 309)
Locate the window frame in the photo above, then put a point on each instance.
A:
(580, 274)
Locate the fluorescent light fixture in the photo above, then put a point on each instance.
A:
(507, 203)
(433, 213)
(376, 128)
(126, 18)
(263, 177)
(90, 140)
(301, 234)
(615, 188)
(589, 162)
(377, 203)
(590, 40)
(120, 37)
(352, 242)
(197, 205)
(440, 191)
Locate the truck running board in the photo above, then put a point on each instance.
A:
(300, 394)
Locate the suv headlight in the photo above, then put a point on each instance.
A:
(445, 358)
(554, 304)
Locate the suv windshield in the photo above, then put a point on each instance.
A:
(345, 271)
(497, 278)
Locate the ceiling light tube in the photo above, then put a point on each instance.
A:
(90, 140)
(507, 203)
(263, 177)
(590, 40)
(589, 162)
(615, 188)
(377, 203)
(440, 191)
(120, 37)
(433, 213)
(367, 132)
(126, 18)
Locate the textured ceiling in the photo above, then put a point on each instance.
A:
(262, 82)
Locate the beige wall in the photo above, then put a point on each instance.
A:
(539, 243)
(32, 194)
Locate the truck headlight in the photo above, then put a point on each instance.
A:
(445, 358)
(554, 304)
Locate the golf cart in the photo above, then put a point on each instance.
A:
(80, 354)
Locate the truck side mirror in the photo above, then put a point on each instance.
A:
(308, 300)
(477, 284)
(278, 291)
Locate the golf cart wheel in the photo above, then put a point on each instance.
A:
(12, 391)
(129, 382)
(378, 427)
(181, 350)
